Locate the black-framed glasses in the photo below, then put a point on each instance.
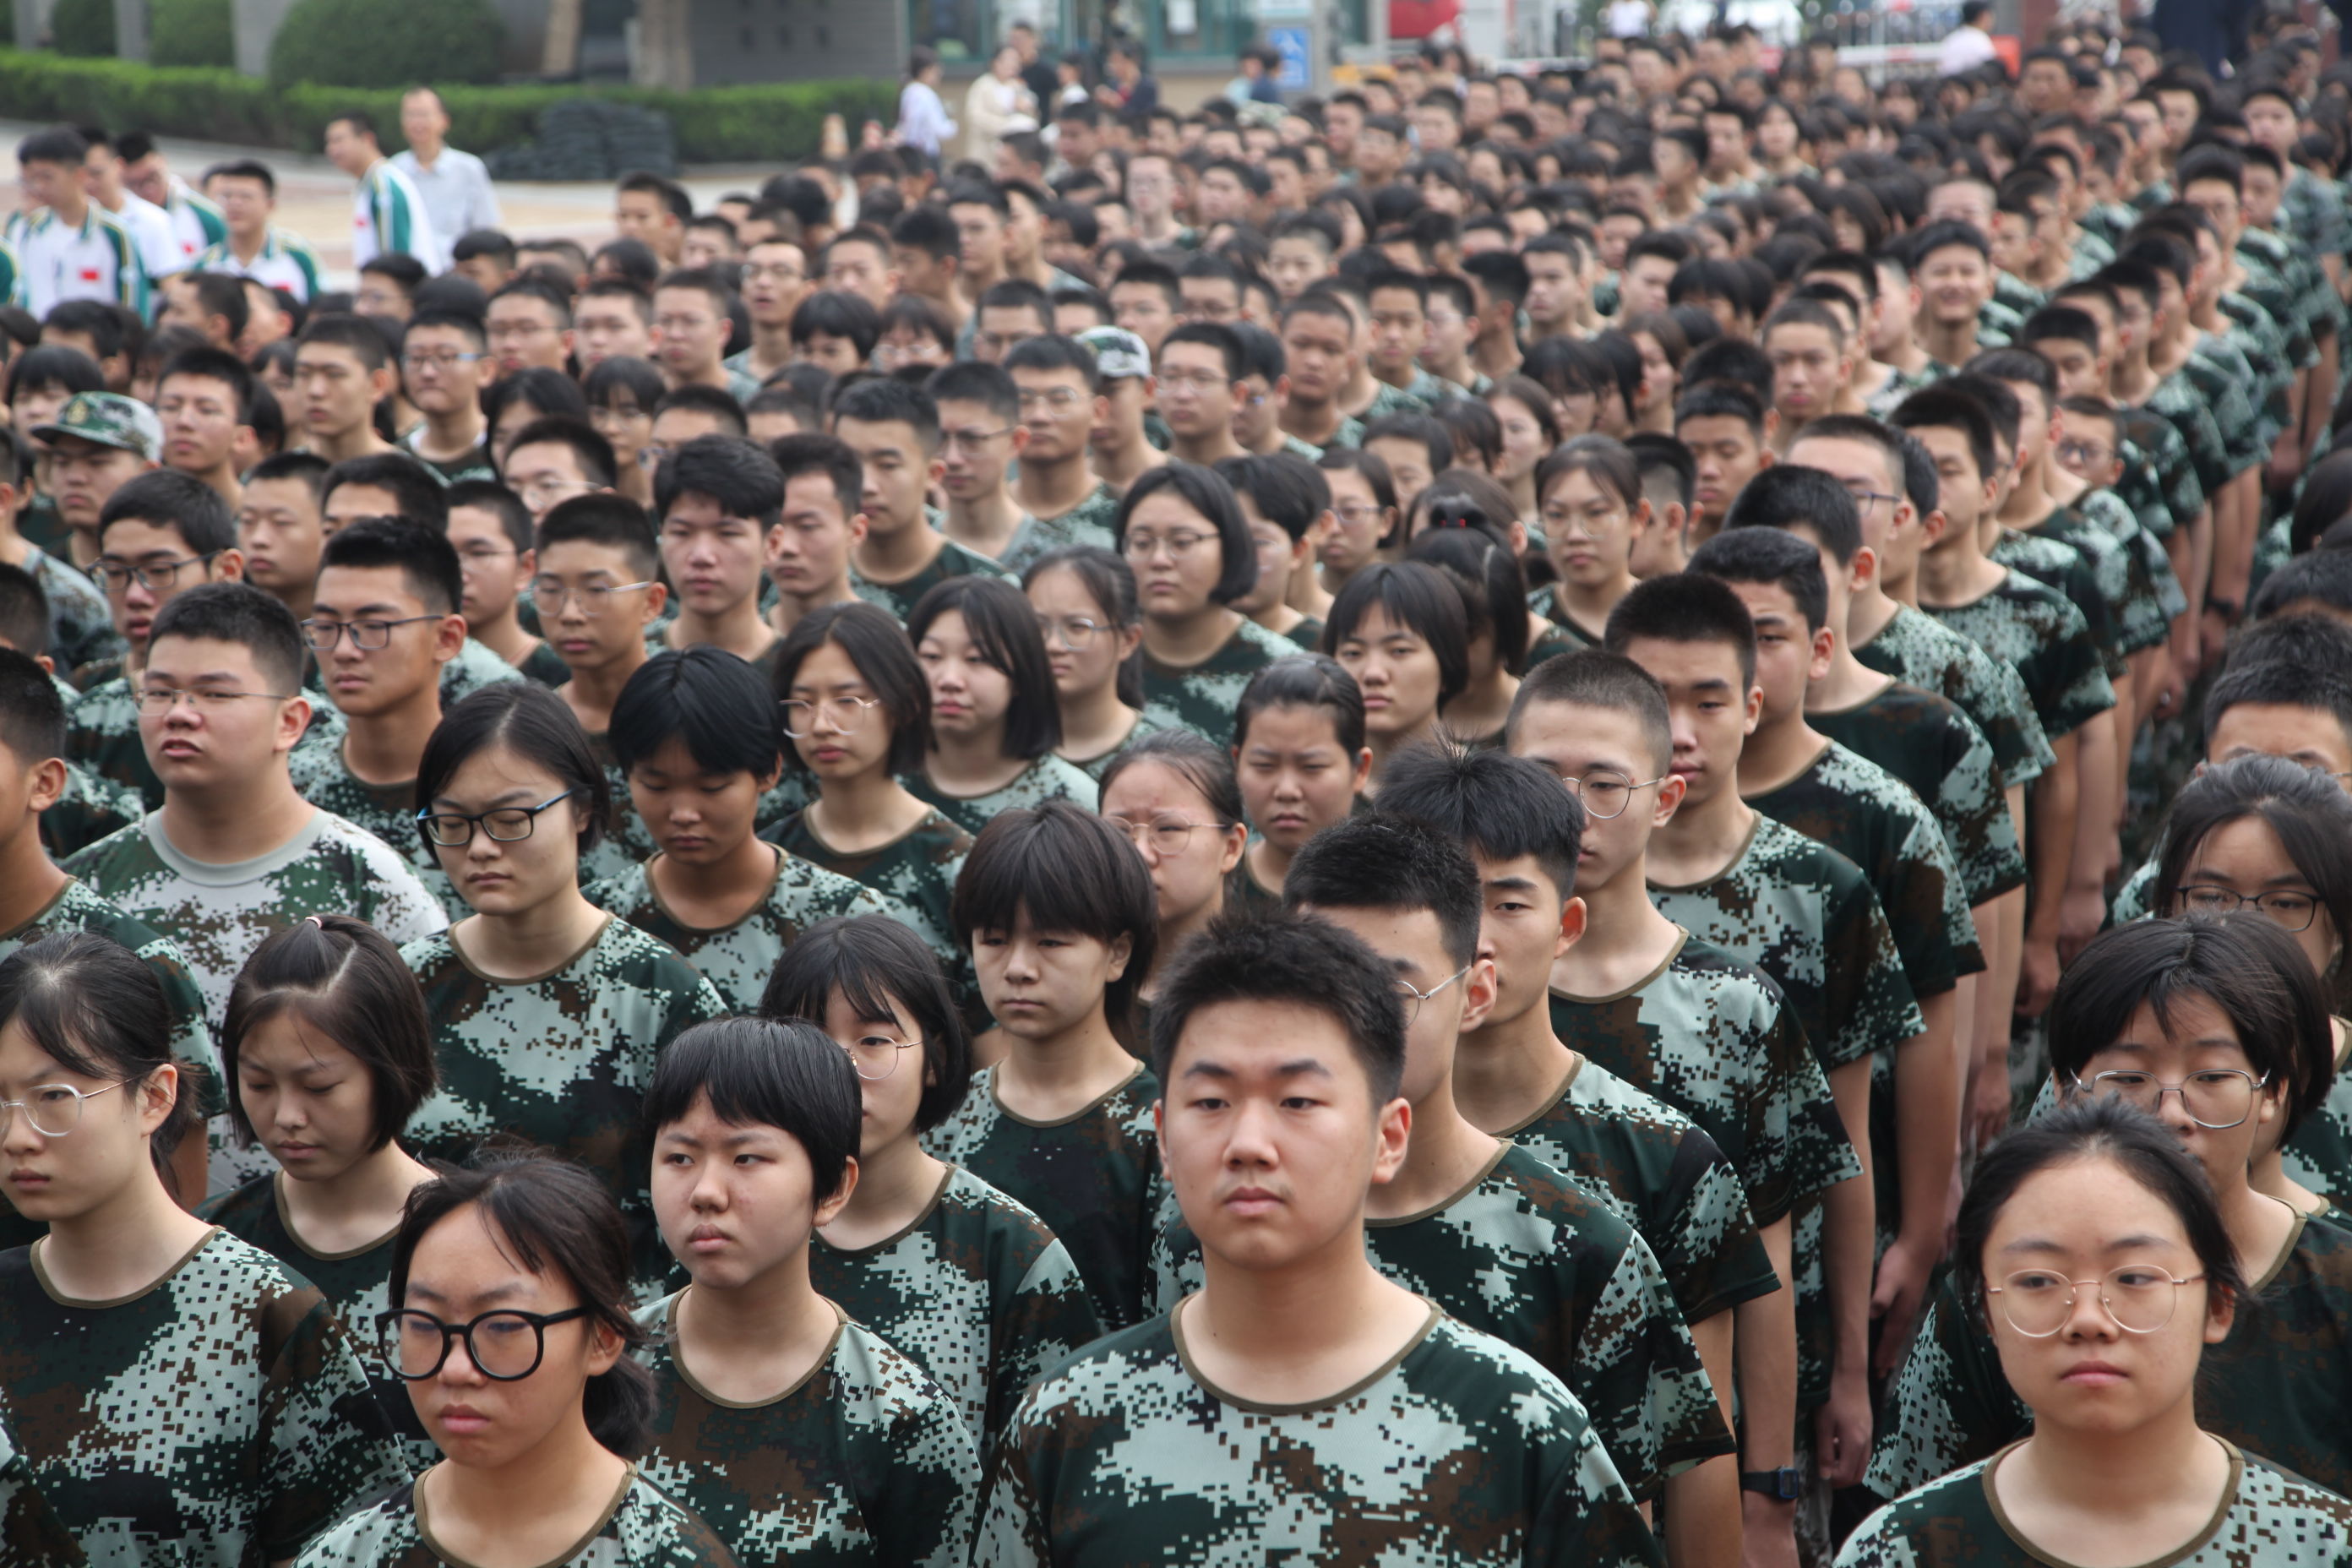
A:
(2140, 1296)
(1865, 498)
(1605, 791)
(2216, 1099)
(2289, 911)
(366, 636)
(505, 1346)
(504, 825)
(1411, 997)
(115, 576)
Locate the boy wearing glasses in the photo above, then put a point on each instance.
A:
(1199, 386)
(383, 625)
(445, 363)
(981, 435)
(1061, 400)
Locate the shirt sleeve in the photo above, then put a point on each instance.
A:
(322, 1455)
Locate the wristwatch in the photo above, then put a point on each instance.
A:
(2228, 609)
(1786, 1484)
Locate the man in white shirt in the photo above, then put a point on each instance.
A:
(255, 248)
(388, 213)
(67, 247)
(150, 225)
(197, 223)
(1969, 45)
(457, 188)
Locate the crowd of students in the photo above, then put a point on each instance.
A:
(1597, 819)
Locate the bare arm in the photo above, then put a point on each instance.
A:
(2050, 852)
(1927, 1122)
(1849, 1243)
(2085, 906)
(1768, 1397)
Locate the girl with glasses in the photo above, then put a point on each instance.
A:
(1592, 507)
(1364, 527)
(1300, 761)
(1057, 913)
(941, 1264)
(513, 1333)
(548, 1013)
(1183, 534)
(2217, 1028)
(100, 1318)
(1176, 798)
(2094, 1256)
(1085, 600)
(994, 717)
(1401, 632)
(777, 1416)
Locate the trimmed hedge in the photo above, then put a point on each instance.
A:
(760, 123)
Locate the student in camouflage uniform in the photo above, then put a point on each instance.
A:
(330, 1052)
(548, 1013)
(384, 624)
(79, 630)
(994, 717)
(526, 1258)
(867, 712)
(1057, 915)
(1085, 600)
(1065, 505)
(696, 734)
(100, 1318)
(1182, 530)
(1365, 521)
(492, 533)
(797, 1433)
(718, 503)
(2099, 1190)
(1301, 760)
(2242, 1016)
(1401, 631)
(894, 431)
(30, 1531)
(941, 1264)
(1177, 798)
(1354, 1417)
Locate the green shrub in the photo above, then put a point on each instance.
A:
(190, 33)
(386, 43)
(83, 27)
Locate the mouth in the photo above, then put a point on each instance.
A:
(487, 879)
(28, 1181)
(686, 842)
(2094, 1373)
(706, 1239)
(463, 1420)
(182, 750)
(829, 753)
(574, 646)
(293, 1154)
(1251, 1202)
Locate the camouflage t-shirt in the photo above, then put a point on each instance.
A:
(738, 959)
(1093, 1178)
(323, 778)
(1460, 1451)
(1202, 697)
(2163, 486)
(2124, 560)
(1871, 818)
(1088, 523)
(1667, 1175)
(1565, 635)
(644, 1530)
(102, 734)
(1549, 1269)
(1092, 766)
(1916, 647)
(2034, 628)
(2060, 565)
(1925, 741)
(975, 1289)
(147, 1462)
(2266, 1516)
(562, 1061)
(2277, 1386)
(916, 870)
(901, 598)
(81, 628)
(1716, 1040)
(862, 1461)
(31, 1534)
(1048, 778)
(2319, 1152)
(90, 808)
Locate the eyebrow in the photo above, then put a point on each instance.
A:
(363, 610)
(1297, 1066)
(518, 793)
(494, 1293)
(1513, 884)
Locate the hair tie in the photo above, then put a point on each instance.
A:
(315, 920)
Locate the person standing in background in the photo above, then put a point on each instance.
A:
(388, 213)
(197, 223)
(924, 122)
(456, 187)
(1969, 45)
(998, 105)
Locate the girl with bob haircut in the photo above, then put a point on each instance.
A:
(928, 1255)
(535, 392)
(1494, 593)
(1401, 632)
(2262, 835)
(329, 1052)
(776, 1416)
(512, 1330)
(864, 721)
(700, 743)
(1057, 912)
(994, 717)
(548, 1013)
(1300, 762)
(621, 392)
(1176, 798)
(1589, 495)
(1085, 600)
(2094, 1255)
(126, 1282)
(1364, 515)
(2196, 1021)
(1183, 533)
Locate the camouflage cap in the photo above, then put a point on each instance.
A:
(1118, 352)
(110, 419)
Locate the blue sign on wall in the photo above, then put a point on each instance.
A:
(1297, 72)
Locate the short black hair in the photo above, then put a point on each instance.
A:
(1938, 407)
(529, 719)
(1201, 488)
(586, 442)
(342, 329)
(882, 400)
(1789, 495)
(56, 145)
(1592, 678)
(1003, 625)
(1436, 440)
(977, 380)
(1413, 595)
(1055, 351)
(883, 656)
(837, 314)
(1286, 958)
(765, 1072)
(735, 471)
(488, 495)
(1287, 491)
(1382, 860)
(1768, 555)
(877, 964)
(424, 556)
(241, 613)
(422, 498)
(1212, 334)
(1496, 805)
(715, 401)
(209, 363)
(1721, 400)
(166, 498)
(614, 521)
(1687, 607)
(32, 713)
(1478, 561)
(1305, 680)
(713, 701)
(620, 374)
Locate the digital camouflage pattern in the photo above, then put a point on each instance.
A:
(31, 1534)
(2319, 1152)
(1092, 1177)
(2267, 1518)
(1047, 778)
(1927, 741)
(2178, 399)
(2249, 406)
(1203, 697)
(1564, 635)
(1915, 646)
(2099, 524)
(324, 778)
(144, 1462)
(737, 960)
(2311, 211)
(862, 1461)
(562, 1061)
(1088, 523)
(2277, 1386)
(1092, 766)
(1528, 1256)
(91, 808)
(2160, 480)
(544, 665)
(356, 1283)
(102, 734)
(1667, 1175)
(917, 871)
(1871, 817)
(219, 914)
(1461, 1451)
(81, 629)
(644, 1530)
(975, 1289)
(901, 597)
(2056, 564)
(474, 667)
(2035, 628)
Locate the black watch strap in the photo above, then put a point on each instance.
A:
(1786, 1484)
